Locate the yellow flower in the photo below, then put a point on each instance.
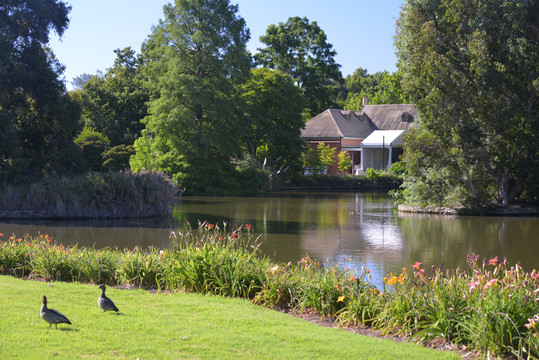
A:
(391, 279)
(341, 298)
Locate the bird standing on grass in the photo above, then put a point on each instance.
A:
(52, 316)
(104, 302)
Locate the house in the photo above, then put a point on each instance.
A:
(371, 136)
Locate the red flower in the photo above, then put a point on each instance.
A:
(248, 227)
(1, 234)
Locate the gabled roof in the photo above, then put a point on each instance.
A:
(385, 138)
(392, 116)
(336, 124)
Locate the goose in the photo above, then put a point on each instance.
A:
(52, 316)
(104, 302)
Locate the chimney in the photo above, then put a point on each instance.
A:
(365, 101)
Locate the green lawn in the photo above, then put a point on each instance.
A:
(171, 326)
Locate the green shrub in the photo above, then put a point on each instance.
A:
(95, 195)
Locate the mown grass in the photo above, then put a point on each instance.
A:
(120, 194)
(172, 326)
(491, 308)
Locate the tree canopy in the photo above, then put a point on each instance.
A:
(472, 68)
(273, 106)
(300, 49)
(196, 56)
(37, 119)
(115, 102)
(378, 88)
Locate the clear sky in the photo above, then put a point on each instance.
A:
(361, 31)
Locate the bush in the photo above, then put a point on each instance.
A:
(95, 195)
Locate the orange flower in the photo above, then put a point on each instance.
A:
(391, 279)
(494, 261)
(416, 265)
(490, 283)
(1, 234)
(248, 227)
(19, 239)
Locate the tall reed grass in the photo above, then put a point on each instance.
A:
(121, 194)
(492, 308)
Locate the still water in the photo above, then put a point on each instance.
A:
(349, 229)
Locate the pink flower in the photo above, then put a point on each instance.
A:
(416, 265)
(491, 283)
(472, 285)
(494, 261)
(532, 322)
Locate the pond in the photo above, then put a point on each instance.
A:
(349, 229)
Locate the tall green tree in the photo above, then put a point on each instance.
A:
(378, 88)
(300, 49)
(274, 105)
(196, 57)
(390, 90)
(115, 103)
(37, 119)
(362, 84)
(472, 68)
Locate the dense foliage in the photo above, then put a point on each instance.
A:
(196, 56)
(115, 102)
(300, 48)
(93, 195)
(273, 108)
(378, 88)
(37, 119)
(472, 69)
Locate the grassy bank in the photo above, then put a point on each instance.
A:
(492, 307)
(94, 195)
(172, 326)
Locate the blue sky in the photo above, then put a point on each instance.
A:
(361, 31)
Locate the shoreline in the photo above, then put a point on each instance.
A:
(512, 210)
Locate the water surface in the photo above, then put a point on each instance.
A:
(351, 229)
